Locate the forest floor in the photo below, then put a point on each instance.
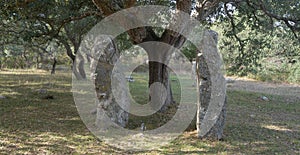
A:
(31, 123)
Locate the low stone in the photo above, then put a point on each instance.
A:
(2, 97)
(264, 98)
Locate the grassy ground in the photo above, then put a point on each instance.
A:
(30, 124)
(140, 92)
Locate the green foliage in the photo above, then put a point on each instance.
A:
(250, 31)
(189, 50)
(294, 75)
(37, 24)
(255, 44)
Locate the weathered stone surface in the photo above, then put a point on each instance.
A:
(264, 98)
(205, 88)
(103, 62)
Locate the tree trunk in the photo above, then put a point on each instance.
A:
(72, 57)
(78, 70)
(159, 72)
(26, 59)
(53, 66)
(159, 55)
(80, 66)
(37, 62)
(75, 71)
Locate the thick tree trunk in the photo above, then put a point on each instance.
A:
(159, 55)
(159, 72)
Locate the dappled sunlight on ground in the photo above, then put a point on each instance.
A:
(277, 128)
(30, 124)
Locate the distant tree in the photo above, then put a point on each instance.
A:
(250, 31)
(65, 22)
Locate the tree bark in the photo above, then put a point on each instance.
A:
(159, 58)
(37, 62)
(78, 70)
(54, 66)
(159, 72)
(80, 66)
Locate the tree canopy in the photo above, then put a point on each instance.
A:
(249, 29)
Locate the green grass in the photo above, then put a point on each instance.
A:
(139, 88)
(30, 124)
(140, 92)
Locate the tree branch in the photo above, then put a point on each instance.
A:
(286, 20)
(264, 9)
(233, 27)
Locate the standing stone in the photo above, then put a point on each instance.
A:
(205, 88)
(103, 61)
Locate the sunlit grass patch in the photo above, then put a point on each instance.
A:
(277, 128)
